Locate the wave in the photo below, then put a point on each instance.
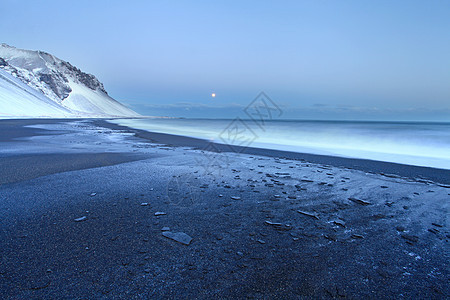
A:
(421, 144)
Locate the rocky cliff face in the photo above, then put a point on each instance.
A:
(3, 62)
(45, 72)
(60, 81)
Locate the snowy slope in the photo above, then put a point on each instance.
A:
(73, 91)
(19, 100)
(95, 102)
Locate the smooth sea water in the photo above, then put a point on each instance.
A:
(421, 144)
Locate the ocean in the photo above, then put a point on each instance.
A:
(411, 143)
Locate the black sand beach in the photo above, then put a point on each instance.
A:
(81, 205)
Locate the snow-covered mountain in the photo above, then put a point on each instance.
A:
(38, 84)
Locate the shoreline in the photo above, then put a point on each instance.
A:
(371, 166)
(390, 169)
(96, 220)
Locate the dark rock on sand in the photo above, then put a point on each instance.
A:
(339, 223)
(433, 230)
(308, 214)
(357, 236)
(330, 237)
(411, 238)
(400, 228)
(179, 237)
(359, 201)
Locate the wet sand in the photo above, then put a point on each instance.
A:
(264, 225)
(439, 175)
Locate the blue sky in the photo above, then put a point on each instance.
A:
(315, 59)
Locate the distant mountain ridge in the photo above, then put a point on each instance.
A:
(76, 93)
